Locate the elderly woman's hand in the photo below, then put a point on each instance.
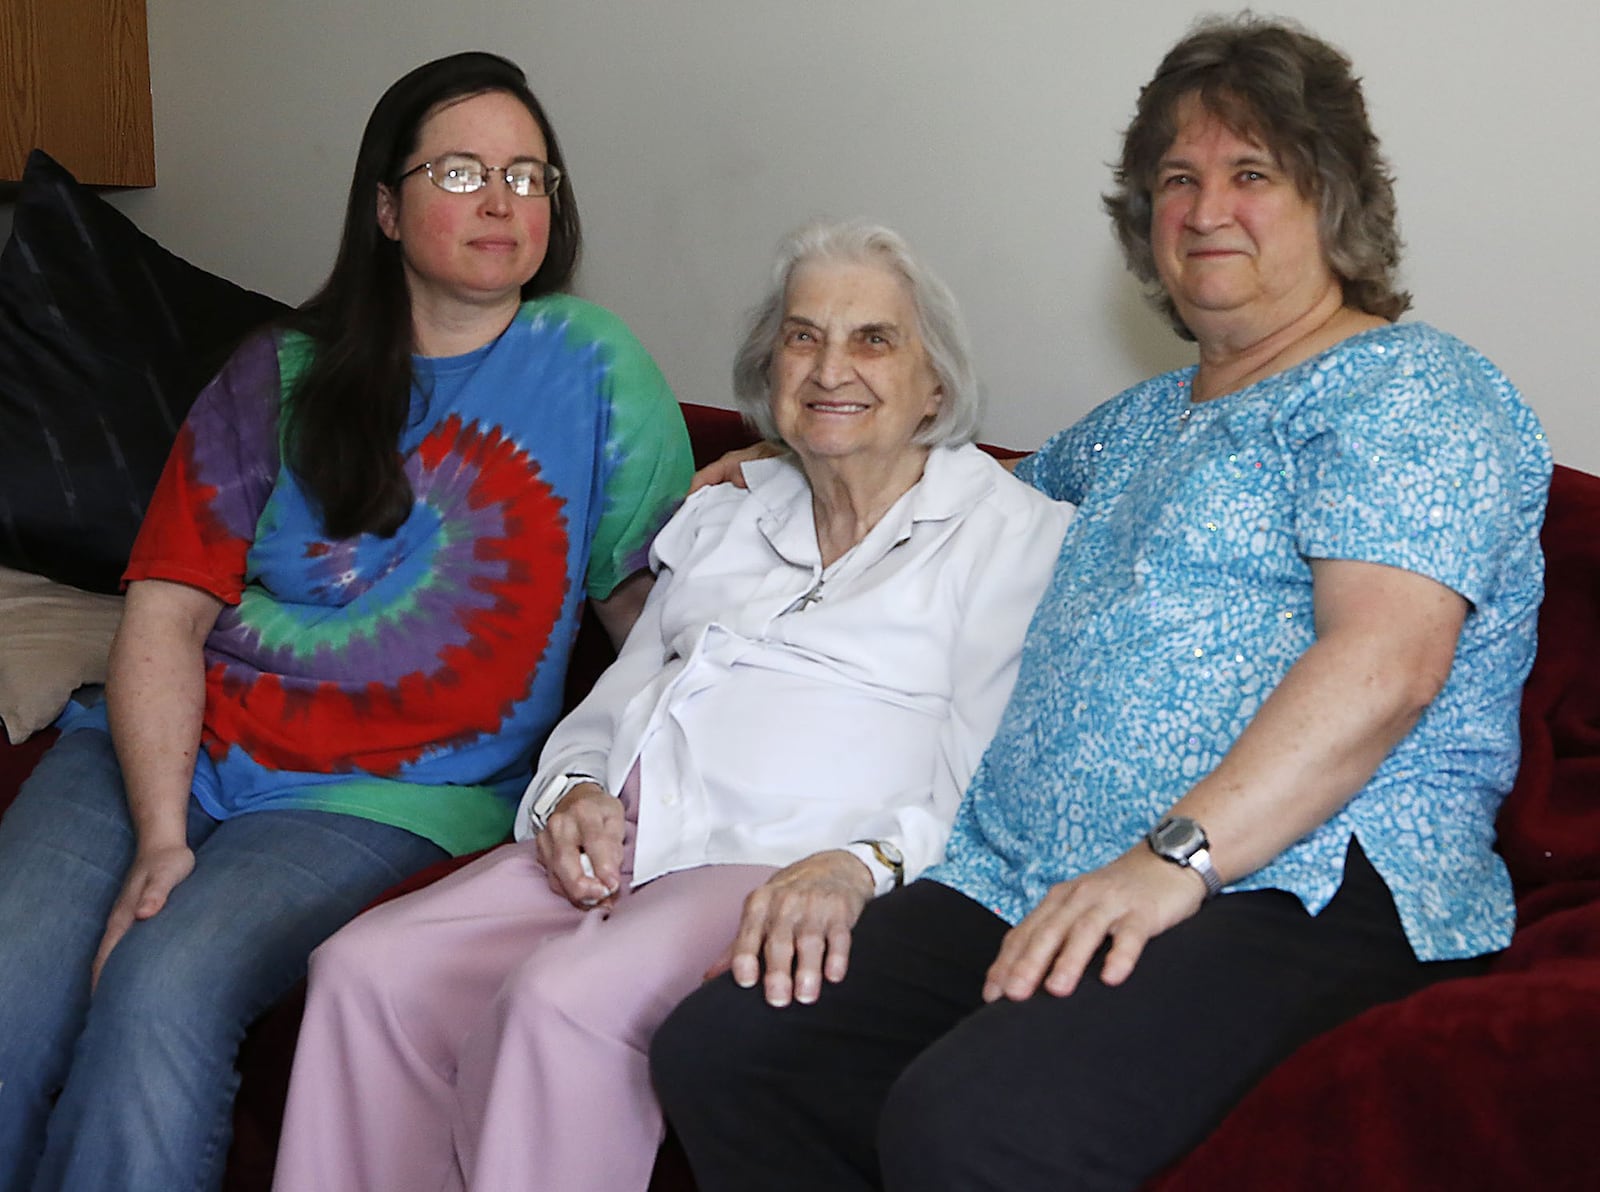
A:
(587, 827)
(1130, 901)
(797, 926)
(727, 469)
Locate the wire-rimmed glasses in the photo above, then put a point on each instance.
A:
(462, 174)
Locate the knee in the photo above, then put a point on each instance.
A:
(151, 1008)
(151, 978)
(562, 986)
(923, 1120)
(706, 1042)
(964, 1115)
(954, 1120)
(675, 1050)
(354, 961)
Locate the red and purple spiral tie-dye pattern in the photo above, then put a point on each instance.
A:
(452, 633)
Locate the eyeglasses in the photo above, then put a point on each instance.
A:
(461, 174)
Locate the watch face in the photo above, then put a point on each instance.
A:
(1178, 838)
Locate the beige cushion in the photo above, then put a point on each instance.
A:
(53, 639)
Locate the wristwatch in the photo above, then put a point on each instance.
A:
(550, 797)
(890, 857)
(1183, 842)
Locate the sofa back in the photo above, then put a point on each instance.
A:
(1549, 827)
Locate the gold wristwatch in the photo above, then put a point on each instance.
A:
(890, 857)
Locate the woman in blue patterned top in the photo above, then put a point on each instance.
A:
(1246, 784)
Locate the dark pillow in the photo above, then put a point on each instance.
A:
(105, 339)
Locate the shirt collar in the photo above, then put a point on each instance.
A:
(953, 481)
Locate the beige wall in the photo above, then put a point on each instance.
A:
(699, 130)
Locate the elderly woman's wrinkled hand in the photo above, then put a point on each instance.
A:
(728, 469)
(797, 927)
(581, 847)
(1130, 902)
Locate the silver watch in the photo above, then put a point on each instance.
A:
(1183, 842)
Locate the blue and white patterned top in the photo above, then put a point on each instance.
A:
(1182, 596)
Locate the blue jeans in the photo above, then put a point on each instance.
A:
(133, 1089)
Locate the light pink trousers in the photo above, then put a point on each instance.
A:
(484, 1033)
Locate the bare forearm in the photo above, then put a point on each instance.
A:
(1313, 745)
(156, 699)
(1386, 642)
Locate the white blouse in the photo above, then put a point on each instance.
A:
(776, 708)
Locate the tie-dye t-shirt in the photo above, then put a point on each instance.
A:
(1183, 595)
(410, 679)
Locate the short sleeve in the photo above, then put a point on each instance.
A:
(648, 464)
(1060, 469)
(202, 516)
(1412, 465)
(1064, 468)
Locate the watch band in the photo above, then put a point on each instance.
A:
(1200, 862)
(557, 789)
(887, 855)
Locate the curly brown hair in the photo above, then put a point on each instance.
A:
(1275, 83)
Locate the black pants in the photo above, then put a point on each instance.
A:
(901, 1078)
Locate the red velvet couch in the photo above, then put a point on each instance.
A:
(1488, 1083)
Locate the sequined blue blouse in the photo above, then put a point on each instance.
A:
(1183, 595)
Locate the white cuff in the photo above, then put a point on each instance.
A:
(882, 875)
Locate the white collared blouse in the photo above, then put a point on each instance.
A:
(777, 708)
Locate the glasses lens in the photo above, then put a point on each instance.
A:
(457, 173)
(525, 178)
(532, 178)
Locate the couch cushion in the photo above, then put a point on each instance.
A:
(105, 338)
(1487, 1082)
(55, 639)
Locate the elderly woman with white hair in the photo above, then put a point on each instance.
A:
(785, 734)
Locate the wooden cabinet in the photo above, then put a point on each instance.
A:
(75, 82)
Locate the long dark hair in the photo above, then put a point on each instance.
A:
(348, 408)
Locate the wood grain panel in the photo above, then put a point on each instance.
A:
(76, 83)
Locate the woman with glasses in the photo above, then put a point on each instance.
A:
(348, 619)
(818, 667)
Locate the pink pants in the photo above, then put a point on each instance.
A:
(484, 1033)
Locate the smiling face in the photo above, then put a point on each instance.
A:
(467, 253)
(849, 378)
(1236, 245)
